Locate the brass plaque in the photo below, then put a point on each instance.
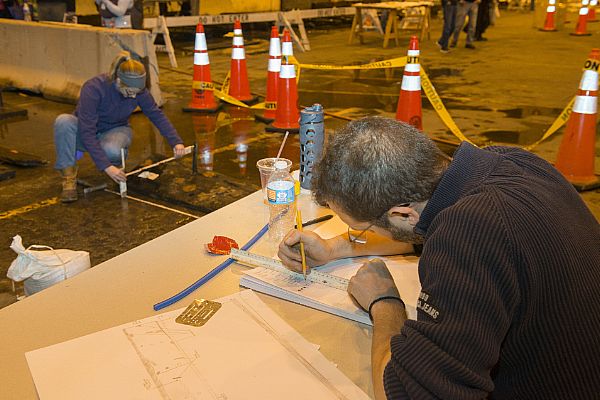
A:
(197, 313)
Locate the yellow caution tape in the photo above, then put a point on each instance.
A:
(391, 63)
(439, 107)
(412, 59)
(591, 64)
(232, 100)
(558, 122)
(223, 95)
(225, 85)
(229, 99)
(203, 85)
(426, 85)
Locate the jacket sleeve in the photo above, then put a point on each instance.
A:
(87, 114)
(162, 123)
(469, 294)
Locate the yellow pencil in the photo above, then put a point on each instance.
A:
(299, 225)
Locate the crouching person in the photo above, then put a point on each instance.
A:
(100, 123)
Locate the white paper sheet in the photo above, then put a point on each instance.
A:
(244, 351)
(404, 270)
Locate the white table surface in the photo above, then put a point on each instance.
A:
(125, 288)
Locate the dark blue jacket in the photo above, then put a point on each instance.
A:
(102, 107)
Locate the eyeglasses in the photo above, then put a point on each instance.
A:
(359, 236)
(355, 236)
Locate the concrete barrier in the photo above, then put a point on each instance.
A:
(55, 59)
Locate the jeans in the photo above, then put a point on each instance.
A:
(449, 23)
(465, 9)
(68, 143)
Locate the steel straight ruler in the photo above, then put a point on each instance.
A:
(255, 260)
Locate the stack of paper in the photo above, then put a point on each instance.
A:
(244, 351)
(334, 301)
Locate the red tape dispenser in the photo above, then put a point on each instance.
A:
(221, 245)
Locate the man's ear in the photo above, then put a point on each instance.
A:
(399, 214)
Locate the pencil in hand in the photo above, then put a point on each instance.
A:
(302, 254)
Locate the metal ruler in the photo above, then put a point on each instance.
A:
(254, 260)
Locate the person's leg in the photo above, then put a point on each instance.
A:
(452, 16)
(478, 31)
(445, 13)
(65, 143)
(483, 19)
(472, 23)
(113, 140)
(65, 140)
(461, 15)
(449, 18)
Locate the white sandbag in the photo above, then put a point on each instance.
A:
(43, 268)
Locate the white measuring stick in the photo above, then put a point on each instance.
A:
(123, 185)
(254, 260)
(186, 150)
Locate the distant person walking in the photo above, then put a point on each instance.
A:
(466, 8)
(449, 8)
(483, 19)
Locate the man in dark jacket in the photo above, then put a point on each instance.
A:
(509, 269)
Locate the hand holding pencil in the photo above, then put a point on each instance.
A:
(317, 251)
(302, 254)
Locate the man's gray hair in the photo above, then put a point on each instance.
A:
(374, 164)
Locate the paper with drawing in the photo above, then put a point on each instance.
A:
(245, 351)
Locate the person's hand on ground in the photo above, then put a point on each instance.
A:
(116, 174)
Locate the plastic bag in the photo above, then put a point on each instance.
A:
(41, 269)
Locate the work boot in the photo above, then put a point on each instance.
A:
(69, 184)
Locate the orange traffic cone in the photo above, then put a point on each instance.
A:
(272, 78)
(580, 29)
(205, 127)
(409, 102)
(549, 25)
(203, 99)
(238, 82)
(577, 150)
(287, 116)
(592, 11)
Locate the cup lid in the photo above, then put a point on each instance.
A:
(280, 164)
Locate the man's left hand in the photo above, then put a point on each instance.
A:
(179, 150)
(372, 281)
